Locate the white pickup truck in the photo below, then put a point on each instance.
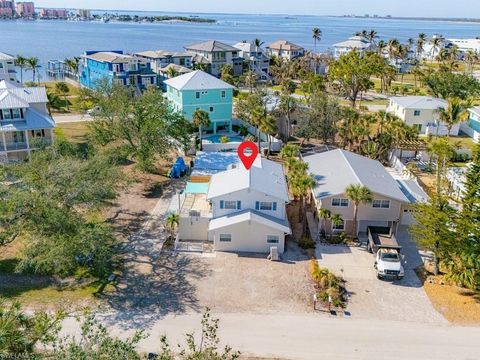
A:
(388, 261)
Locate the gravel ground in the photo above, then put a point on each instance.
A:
(404, 300)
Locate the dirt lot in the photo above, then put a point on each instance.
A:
(181, 283)
(372, 298)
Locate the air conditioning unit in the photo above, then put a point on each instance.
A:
(273, 254)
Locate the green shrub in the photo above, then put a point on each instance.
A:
(338, 303)
(322, 296)
(306, 243)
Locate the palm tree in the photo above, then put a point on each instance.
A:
(301, 185)
(324, 214)
(54, 102)
(172, 222)
(201, 119)
(455, 112)
(336, 219)
(258, 43)
(358, 194)
(392, 48)
(72, 65)
(287, 103)
(470, 58)
(372, 35)
(437, 44)
(422, 38)
(317, 36)
(381, 46)
(33, 65)
(61, 88)
(172, 72)
(268, 126)
(250, 79)
(21, 62)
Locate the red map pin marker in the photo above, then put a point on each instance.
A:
(250, 156)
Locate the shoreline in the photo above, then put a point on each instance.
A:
(414, 18)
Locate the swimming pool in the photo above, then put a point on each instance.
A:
(215, 139)
(196, 188)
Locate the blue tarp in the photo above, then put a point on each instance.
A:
(178, 169)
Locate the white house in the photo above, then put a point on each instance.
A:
(7, 68)
(465, 45)
(24, 121)
(335, 170)
(242, 210)
(285, 49)
(358, 43)
(422, 113)
(256, 57)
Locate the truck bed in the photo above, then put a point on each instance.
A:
(381, 237)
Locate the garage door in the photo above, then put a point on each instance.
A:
(407, 217)
(365, 223)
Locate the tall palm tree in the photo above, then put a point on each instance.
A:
(358, 194)
(455, 112)
(33, 64)
(287, 103)
(21, 62)
(470, 59)
(421, 39)
(381, 46)
(437, 44)
(258, 43)
(392, 48)
(268, 126)
(201, 119)
(250, 79)
(301, 186)
(317, 36)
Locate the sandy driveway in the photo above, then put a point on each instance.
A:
(371, 298)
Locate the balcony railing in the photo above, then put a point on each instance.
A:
(16, 145)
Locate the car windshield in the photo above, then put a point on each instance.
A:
(390, 256)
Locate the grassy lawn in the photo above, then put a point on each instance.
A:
(464, 142)
(75, 131)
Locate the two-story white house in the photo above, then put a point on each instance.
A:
(256, 57)
(421, 112)
(242, 210)
(335, 170)
(7, 68)
(24, 121)
(285, 49)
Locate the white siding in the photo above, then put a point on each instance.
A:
(248, 237)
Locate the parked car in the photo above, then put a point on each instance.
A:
(388, 261)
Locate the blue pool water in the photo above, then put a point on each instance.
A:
(475, 125)
(216, 138)
(196, 188)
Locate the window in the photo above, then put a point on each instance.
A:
(211, 108)
(16, 113)
(340, 202)
(1, 65)
(417, 127)
(416, 113)
(266, 205)
(230, 205)
(272, 239)
(381, 204)
(224, 93)
(225, 237)
(182, 61)
(7, 115)
(197, 95)
(339, 226)
(146, 81)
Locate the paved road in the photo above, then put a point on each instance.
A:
(319, 337)
(70, 118)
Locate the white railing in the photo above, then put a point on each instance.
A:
(475, 135)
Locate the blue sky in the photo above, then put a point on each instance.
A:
(431, 8)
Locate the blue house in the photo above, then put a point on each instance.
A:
(472, 126)
(199, 90)
(118, 68)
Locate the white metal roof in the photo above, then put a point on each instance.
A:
(5, 56)
(354, 42)
(419, 102)
(265, 176)
(335, 170)
(13, 96)
(249, 215)
(197, 80)
(210, 46)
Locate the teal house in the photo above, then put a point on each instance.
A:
(199, 90)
